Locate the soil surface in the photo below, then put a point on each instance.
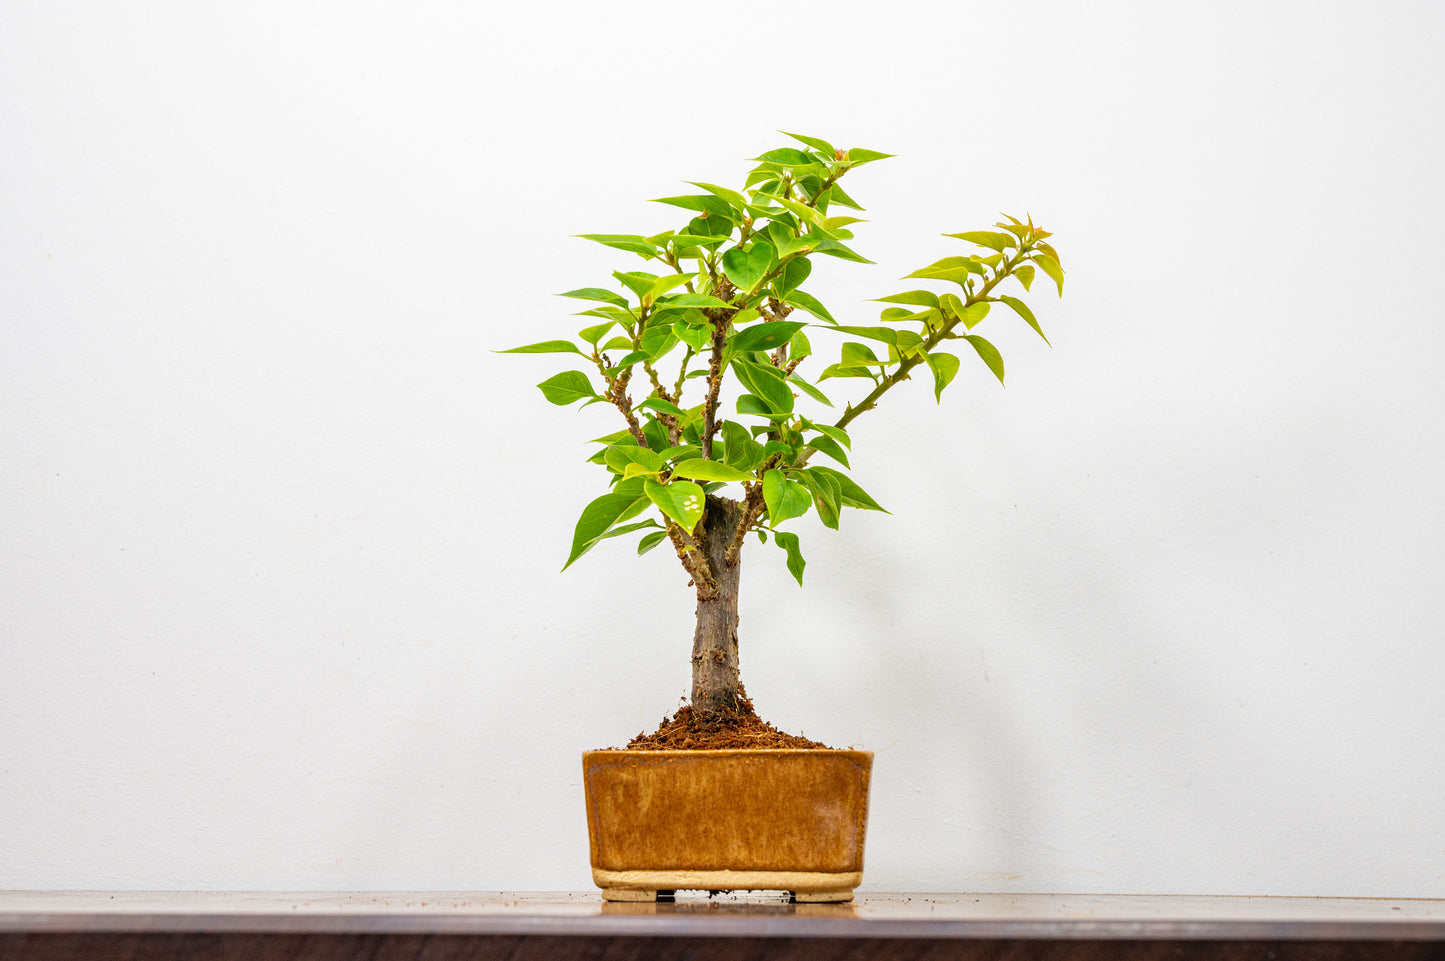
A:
(727, 730)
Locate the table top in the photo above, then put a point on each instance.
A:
(1011, 916)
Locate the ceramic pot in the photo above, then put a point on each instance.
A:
(780, 820)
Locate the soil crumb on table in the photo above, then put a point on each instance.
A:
(737, 728)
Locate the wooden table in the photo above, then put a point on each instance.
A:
(212, 926)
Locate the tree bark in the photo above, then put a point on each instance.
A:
(715, 643)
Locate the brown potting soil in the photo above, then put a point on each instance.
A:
(728, 730)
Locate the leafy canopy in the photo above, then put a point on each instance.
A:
(721, 299)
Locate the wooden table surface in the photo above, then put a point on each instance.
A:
(912, 925)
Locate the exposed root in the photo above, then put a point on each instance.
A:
(729, 729)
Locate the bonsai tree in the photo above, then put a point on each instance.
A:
(702, 355)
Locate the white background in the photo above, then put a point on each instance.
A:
(280, 536)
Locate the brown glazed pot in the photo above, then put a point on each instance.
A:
(780, 820)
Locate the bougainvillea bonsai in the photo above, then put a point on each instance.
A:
(703, 357)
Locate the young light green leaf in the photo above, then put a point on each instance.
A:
(699, 301)
(787, 157)
(813, 142)
(987, 238)
(918, 298)
(858, 156)
(639, 282)
(1051, 267)
(680, 500)
(944, 367)
(709, 470)
(835, 249)
(765, 336)
(788, 541)
(835, 195)
(625, 502)
(567, 387)
(785, 498)
(973, 314)
(545, 347)
(1022, 309)
(989, 353)
(1025, 274)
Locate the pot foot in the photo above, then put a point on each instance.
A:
(628, 894)
(821, 897)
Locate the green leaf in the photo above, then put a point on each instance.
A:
(704, 203)
(680, 500)
(834, 249)
(696, 337)
(886, 335)
(1022, 309)
(987, 238)
(567, 387)
(1025, 274)
(765, 336)
(650, 541)
(859, 355)
(944, 366)
(918, 298)
(709, 470)
(809, 303)
(989, 353)
(593, 334)
(828, 430)
(598, 294)
(1051, 267)
(639, 282)
(698, 301)
(600, 515)
(813, 142)
(787, 157)
(849, 492)
(746, 268)
(788, 541)
(619, 456)
(809, 389)
(827, 445)
(766, 382)
(742, 451)
(750, 404)
(662, 406)
(726, 195)
(794, 273)
(786, 499)
(630, 242)
(835, 195)
(545, 347)
(827, 493)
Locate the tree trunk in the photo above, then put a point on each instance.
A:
(715, 643)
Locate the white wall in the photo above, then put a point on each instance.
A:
(279, 601)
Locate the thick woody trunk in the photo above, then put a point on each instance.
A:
(715, 643)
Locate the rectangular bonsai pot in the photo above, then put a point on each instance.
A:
(781, 820)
